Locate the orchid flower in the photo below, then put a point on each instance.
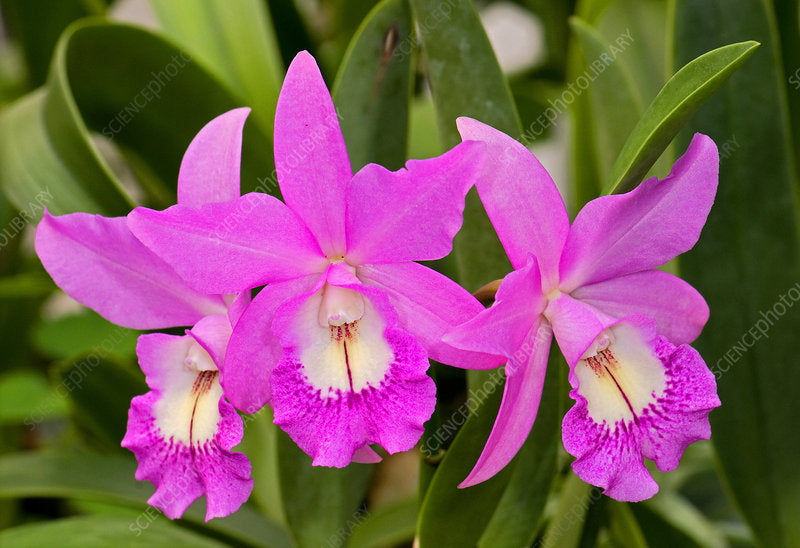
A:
(183, 430)
(338, 341)
(640, 390)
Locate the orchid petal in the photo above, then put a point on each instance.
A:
(254, 350)
(501, 328)
(232, 246)
(429, 305)
(97, 261)
(238, 304)
(310, 155)
(182, 431)
(366, 455)
(339, 387)
(523, 391)
(212, 333)
(412, 213)
(646, 227)
(576, 325)
(679, 310)
(638, 397)
(210, 167)
(521, 199)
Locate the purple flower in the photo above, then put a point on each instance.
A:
(640, 390)
(183, 430)
(338, 340)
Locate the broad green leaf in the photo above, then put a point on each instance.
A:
(101, 532)
(100, 390)
(614, 99)
(131, 87)
(236, 42)
(520, 512)
(102, 478)
(390, 525)
(747, 266)
(450, 516)
(322, 505)
(466, 80)
(26, 285)
(668, 519)
(373, 87)
(787, 19)
(24, 394)
(678, 100)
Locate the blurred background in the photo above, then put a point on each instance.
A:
(98, 101)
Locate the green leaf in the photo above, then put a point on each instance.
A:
(567, 523)
(614, 99)
(450, 516)
(22, 394)
(747, 265)
(25, 286)
(100, 390)
(373, 87)
(623, 527)
(131, 87)
(236, 42)
(322, 505)
(101, 532)
(102, 478)
(668, 519)
(259, 444)
(38, 35)
(85, 332)
(520, 512)
(466, 80)
(389, 525)
(679, 99)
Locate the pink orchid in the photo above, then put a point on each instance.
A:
(640, 390)
(338, 340)
(183, 430)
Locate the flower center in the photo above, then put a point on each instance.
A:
(619, 375)
(340, 306)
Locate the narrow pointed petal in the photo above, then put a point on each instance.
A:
(523, 392)
(182, 431)
(521, 199)
(501, 328)
(232, 246)
(310, 155)
(254, 349)
(340, 387)
(679, 310)
(210, 167)
(638, 397)
(429, 305)
(646, 227)
(100, 263)
(576, 325)
(412, 213)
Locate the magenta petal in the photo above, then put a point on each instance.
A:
(412, 213)
(310, 155)
(646, 227)
(212, 333)
(210, 168)
(238, 304)
(639, 397)
(232, 246)
(182, 432)
(331, 400)
(523, 391)
(576, 325)
(501, 328)
(521, 199)
(97, 261)
(679, 310)
(253, 349)
(429, 305)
